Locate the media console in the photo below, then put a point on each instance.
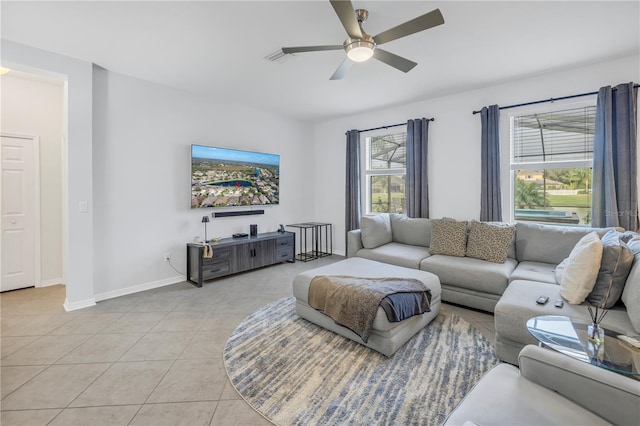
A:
(233, 255)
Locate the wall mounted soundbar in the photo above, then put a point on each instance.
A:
(238, 213)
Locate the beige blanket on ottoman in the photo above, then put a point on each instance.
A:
(353, 302)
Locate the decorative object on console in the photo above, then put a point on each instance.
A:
(205, 220)
(253, 230)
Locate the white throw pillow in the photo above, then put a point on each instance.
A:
(560, 270)
(581, 270)
(375, 230)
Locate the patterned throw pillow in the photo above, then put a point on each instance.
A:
(490, 241)
(448, 237)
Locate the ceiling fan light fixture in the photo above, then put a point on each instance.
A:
(359, 50)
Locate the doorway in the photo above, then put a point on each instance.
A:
(20, 207)
(32, 180)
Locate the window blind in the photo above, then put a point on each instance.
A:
(554, 136)
(388, 152)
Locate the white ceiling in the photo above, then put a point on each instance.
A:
(218, 48)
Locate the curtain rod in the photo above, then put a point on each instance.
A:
(390, 125)
(549, 100)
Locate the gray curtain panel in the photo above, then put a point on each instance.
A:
(490, 192)
(417, 184)
(352, 190)
(615, 192)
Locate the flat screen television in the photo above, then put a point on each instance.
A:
(222, 177)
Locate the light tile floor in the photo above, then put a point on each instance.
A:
(151, 358)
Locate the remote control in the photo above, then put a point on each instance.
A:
(240, 235)
(542, 300)
(559, 303)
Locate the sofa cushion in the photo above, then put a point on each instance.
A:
(615, 265)
(518, 304)
(631, 293)
(548, 243)
(396, 254)
(504, 397)
(376, 230)
(534, 271)
(603, 392)
(581, 270)
(489, 241)
(448, 237)
(409, 230)
(470, 273)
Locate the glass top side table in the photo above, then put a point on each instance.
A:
(569, 337)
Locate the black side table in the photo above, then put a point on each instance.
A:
(305, 253)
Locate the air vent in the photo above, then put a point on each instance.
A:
(276, 56)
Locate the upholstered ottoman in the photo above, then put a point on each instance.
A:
(385, 337)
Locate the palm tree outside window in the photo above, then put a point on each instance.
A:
(551, 164)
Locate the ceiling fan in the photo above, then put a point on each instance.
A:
(360, 46)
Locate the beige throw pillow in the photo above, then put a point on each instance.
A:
(581, 269)
(448, 237)
(560, 270)
(490, 241)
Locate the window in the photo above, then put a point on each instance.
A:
(551, 164)
(384, 173)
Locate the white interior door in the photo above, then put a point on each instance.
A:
(19, 189)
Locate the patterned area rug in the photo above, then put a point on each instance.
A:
(296, 373)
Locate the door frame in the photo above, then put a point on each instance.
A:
(37, 273)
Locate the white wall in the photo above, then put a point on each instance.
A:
(34, 107)
(454, 138)
(77, 155)
(142, 189)
(127, 157)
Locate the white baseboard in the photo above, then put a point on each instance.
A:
(48, 283)
(72, 306)
(138, 288)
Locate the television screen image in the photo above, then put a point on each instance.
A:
(222, 177)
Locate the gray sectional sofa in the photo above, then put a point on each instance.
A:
(507, 289)
(549, 389)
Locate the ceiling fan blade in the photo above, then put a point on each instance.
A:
(421, 23)
(394, 60)
(347, 15)
(311, 48)
(342, 69)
